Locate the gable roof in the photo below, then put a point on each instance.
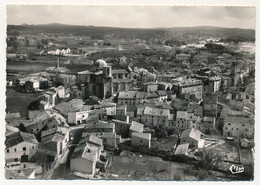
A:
(19, 137)
(141, 135)
(136, 127)
(95, 140)
(181, 114)
(182, 149)
(195, 134)
(102, 124)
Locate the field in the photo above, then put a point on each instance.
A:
(141, 167)
(18, 101)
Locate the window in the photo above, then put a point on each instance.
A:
(141, 141)
(7, 150)
(15, 159)
(33, 147)
(226, 128)
(24, 148)
(229, 123)
(15, 150)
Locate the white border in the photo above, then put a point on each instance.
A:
(255, 3)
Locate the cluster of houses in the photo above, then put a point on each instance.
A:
(57, 52)
(112, 106)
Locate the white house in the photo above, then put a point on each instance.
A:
(77, 117)
(20, 146)
(193, 137)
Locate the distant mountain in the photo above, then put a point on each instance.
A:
(142, 33)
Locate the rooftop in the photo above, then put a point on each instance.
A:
(141, 135)
(209, 119)
(238, 120)
(181, 114)
(119, 71)
(19, 137)
(153, 111)
(131, 94)
(182, 149)
(188, 82)
(95, 140)
(195, 134)
(102, 124)
(136, 127)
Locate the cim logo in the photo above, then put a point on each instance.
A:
(236, 169)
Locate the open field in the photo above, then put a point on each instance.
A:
(18, 101)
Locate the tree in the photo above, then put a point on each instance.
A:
(208, 159)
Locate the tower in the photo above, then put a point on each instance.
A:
(107, 72)
(107, 82)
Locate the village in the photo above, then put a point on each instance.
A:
(132, 110)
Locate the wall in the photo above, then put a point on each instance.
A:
(238, 130)
(19, 151)
(136, 141)
(189, 140)
(82, 165)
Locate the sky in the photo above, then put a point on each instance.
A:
(133, 16)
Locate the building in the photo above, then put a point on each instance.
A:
(121, 80)
(122, 128)
(31, 85)
(209, 124)
(20, 146)
(54, 143)
(78, 117)
(136, 127)
(185, 120)
(193, 137)
(102, 126)
(84, 159)
(180, 104)
(141, 140)
(142, 76)
(210, 106)
(98, 82)
(168, 78)
(188, 87)
(49, 98)
(183, 56)
(131, 98)
(151, 117)
(37, 121)
(109, 107)
(238, 126)
(150, 87)
(214, 84)
(110, 139)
